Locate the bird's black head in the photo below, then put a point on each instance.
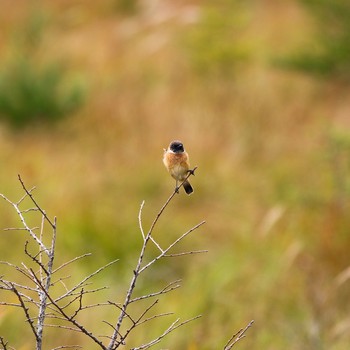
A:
(176, 147)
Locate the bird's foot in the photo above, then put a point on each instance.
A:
(191, 171)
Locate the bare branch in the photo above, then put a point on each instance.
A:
(69, 328)
(154, 317)
(67, 317)
(27, 228)
(26, 312)
(171, 246)
(68, 347)
(171, 328)
(237, 336)
(3, 343)
(146, 311)
(50, 307)
(53, 225)
(34, 258)
(146, 238)
(121, 309)
(88, 291)
(10, 304)
(29, 210)
(8, 285)
(83, 282)
(19, 228)
(71, 261)
(175, 255)
(171, 286)
(80, 304)
(20, 270)
(25, 195)
(140, 220)
(168, 201)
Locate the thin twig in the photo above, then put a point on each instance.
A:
(34, 258)
(53, 225)
(80, 304)
(18, 229)
(136, 322)
(175, 255)
(171, 246)
(27, 228)
(121, 309)
(29, 210)
(26, 312)
(3, 343)
(168, 201)
(69, 318)
(171, 286)
(154, 317)
(67, 347)
(237, 336)
(71, 261)
(25, 195)
(171, 328)
(83, 282)
(140, 220)
(8, 286)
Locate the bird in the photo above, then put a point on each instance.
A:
(176, 161)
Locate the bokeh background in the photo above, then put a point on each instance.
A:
(90, 94)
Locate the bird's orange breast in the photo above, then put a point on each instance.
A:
(177, 164)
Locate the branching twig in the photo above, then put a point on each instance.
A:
(64, 308)
(27, 228)
(71, 261)
(34, 258)
(83, 283)
(237, 336)
(68, 347)
(171, 246)
(52, 224)
(3, 343)
(171, 328)
(171, 286)
(114, 342)
(67, 317)
(26, 312)
(42, 280)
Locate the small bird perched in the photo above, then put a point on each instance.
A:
(176, 161)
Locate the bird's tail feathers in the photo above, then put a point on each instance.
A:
(187, 187)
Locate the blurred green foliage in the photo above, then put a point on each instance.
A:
(33, 94)
(329, 53)
(215, 44)
(32, 91)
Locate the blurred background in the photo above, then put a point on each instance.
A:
(259, 93)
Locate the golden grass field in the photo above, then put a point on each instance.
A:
(272, 148)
